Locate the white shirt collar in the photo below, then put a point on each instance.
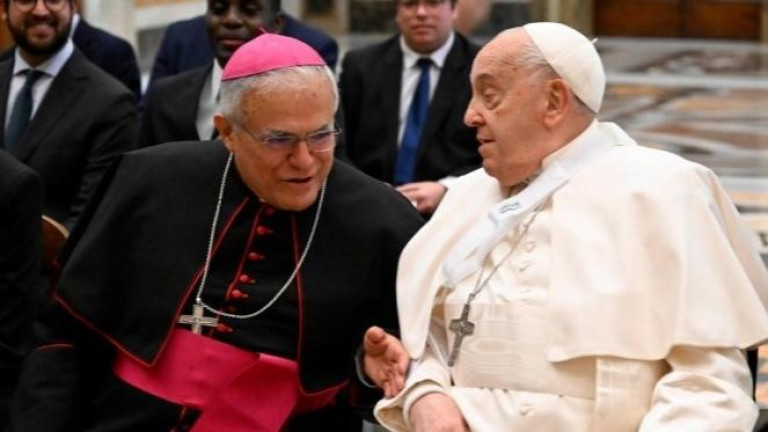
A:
(52, 66)
(438, 56)
(215, 81)
(586, 134)
(75, 22)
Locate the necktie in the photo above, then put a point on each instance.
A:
(22, 110)
(417, 116)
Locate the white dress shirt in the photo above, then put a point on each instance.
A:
(209, 102)
(51, 69)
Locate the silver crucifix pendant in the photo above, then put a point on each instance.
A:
(462, 326)
(198, 320)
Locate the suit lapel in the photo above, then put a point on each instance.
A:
(63, 94)
(6, 74)
(390, 77)
(452, 78)
(186, 101)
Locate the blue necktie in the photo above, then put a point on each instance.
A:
(22, 111)
(417, 116)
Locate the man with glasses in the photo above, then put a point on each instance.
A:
(403, 101)
(62, 116)
(225, 285)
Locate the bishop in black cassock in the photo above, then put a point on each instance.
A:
(112, 354)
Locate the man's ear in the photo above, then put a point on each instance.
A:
(559, 98)
(225, 129)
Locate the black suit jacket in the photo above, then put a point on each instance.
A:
(170, 110)
(186, 46)
(110, 53)
(370, 94)
(86, 119)
(21, 206)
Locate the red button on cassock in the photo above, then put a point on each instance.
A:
(223, 328)
(237, 294)
(253, 256)
(262, 230)
(244, 278)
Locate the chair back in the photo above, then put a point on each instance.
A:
(54, 236)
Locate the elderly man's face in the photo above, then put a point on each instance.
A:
(39, 29)
(425, 24)
(288, 177)
(507, 109)
(231, 23)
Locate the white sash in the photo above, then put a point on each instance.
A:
(469, 253)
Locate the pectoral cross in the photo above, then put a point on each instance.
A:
(198, 320)
(462, 326)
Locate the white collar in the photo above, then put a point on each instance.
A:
(75, 22)
(469, 253)
(52, 66)
(438, 56)
(215, 78)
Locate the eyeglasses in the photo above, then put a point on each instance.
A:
(284, 142)
(412, 4)
(51, 5)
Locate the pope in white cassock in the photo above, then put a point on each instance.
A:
(578, 282)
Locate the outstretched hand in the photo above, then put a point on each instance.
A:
(425, 196)
(385, 361)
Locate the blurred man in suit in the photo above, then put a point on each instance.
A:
(21, 206)
(404, 100)
(181, 107)
(186, 45)
(62, 116)
(109, 52)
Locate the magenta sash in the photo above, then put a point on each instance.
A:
(235, 390)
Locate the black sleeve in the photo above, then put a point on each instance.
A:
(21, 287)
(58, 375)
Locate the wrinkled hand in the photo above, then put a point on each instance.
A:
(436, 412)
(425, 195)
(385, 361)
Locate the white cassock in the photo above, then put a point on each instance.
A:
(623, 307)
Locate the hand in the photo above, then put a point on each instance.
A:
(385, 361)
(425, 196)
(436, 412)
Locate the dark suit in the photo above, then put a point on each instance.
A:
(170, 110)
(186, 45)
(370, 95)
(21, 206)
(110, 53)
(86, 119)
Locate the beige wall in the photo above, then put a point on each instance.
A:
(575, 13)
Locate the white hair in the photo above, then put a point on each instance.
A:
(232, 91)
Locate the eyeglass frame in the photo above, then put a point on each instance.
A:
(412, 4)
(264, 138)
(33, 3)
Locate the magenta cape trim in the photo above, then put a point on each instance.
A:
(236, 390)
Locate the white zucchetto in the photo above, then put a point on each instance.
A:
(573, 57)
